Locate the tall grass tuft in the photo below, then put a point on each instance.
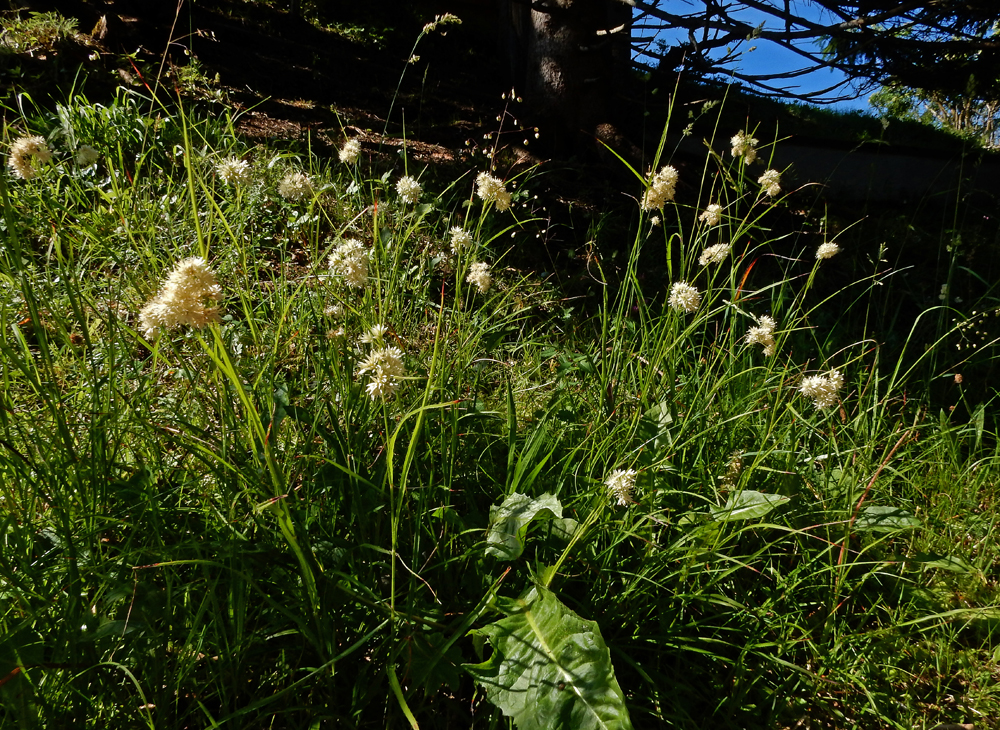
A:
(359, 474)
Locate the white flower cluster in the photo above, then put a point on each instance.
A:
(189, 296)
(350, 151)
(349, 261)
(480, 276)
(233, 171)
(661, 189)
(827, 250)
(460, 238)
(375, 335)
(822, 389)
(771, 182)
(621, 485)
(684, 297)
(295, 186)
(712, 215)
(744, 146)
(385, 366)
(492, 190)
(86, 156)
(27, 155)
(409, 190)
(763, 334)
(714, 254)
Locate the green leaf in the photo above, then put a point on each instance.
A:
(509, 522)
(654, 427)
(748, 505)
(876, 518)
(563, 528)
(951, 563)
(550, 669)
(433, 661)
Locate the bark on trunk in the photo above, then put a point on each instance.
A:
(567, 58)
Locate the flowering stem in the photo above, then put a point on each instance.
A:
(857, 508)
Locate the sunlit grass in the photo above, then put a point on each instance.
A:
(261, 521)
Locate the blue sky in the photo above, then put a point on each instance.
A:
(767, 57)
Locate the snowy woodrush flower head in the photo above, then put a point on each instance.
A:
(86, 156)
(771, 182)
(684, 297)
(27, 155)
(836, 378)
(386, 368)
(234, 171)
(744, 146)
(492, 190)
(763, 334)
(822, 388)
(479, 274)
(349, 261)
(409, 189)
(460, 238)
(621, 485)
(189, 296)
(712, 215)
(295, 186)
(827, 250)
(662, 188)
(350, 151)
(374, 335)
(714, 254)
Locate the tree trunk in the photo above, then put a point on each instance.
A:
(567, 58)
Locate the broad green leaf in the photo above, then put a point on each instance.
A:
(951, 563)
(748, 505)
(509, 522)
(564, 528)
(550, 669)
(875, 518)
(433, 661)
(654, 427)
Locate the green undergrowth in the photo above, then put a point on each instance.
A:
(410, 489)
